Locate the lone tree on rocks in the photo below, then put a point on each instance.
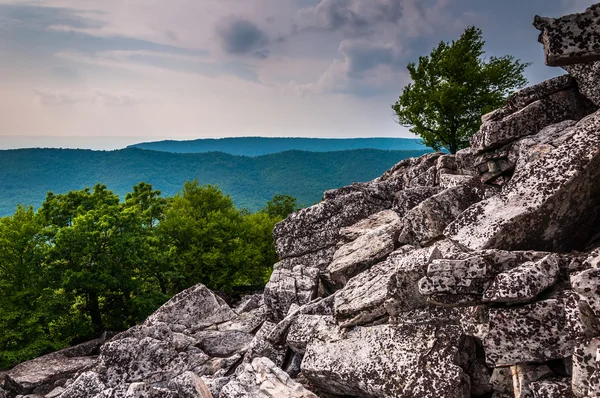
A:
(453, 87)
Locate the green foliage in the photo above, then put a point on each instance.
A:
(86, 262)
(453, 87)
(281, 206)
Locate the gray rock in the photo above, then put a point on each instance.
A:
(189, 385)
(307, 328)
(222, 343)
(587, 285)
(559, 106)
(317, 227)
(384, 220)
(263, 379)
(192, 309)
(551, 389)
(528, 95)
(260, 346)
(368, 249)
(447, 181)
(426, 222)
(88, 384)
(535, 332)
(586, 368)
(570, 39)
(295, 281)
(385, 361)
(586, 76)
(403, 293)
(471, 273)
(549, 205)
(525, 282)
(42, 372)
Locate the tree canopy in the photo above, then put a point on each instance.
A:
(86, 262)
(453, 87)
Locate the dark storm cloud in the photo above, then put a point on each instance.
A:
(362, 56)
(240, 36)
(355, 17)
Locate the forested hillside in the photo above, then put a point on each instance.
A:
(250, 181)
(255, 146)
(86, 261)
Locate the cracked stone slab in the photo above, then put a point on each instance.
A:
(535, 332)
(389, 361)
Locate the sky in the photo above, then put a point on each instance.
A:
(106, 73)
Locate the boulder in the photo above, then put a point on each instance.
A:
(562, 105)
(41, 373)
(307, 328)
(263, 379)
(571, 39)
(537, 332)
(295, 281)
(549, 205)
(318, 226)
(553, 388)
(426, 222)
(472, 273)
(192, 309)
(389, 361)
(87, 384)
(586, 368)
(525, 282)
(366, 250)
(586, 76)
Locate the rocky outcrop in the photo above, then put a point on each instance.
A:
(467, 275)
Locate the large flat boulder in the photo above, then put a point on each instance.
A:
(389, 361)
(587, 76)
(552, 204)
(568, 104)
(571, 39)
(426, 222)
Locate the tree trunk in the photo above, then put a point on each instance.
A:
(93, 308)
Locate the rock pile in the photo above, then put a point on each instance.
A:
(455, 276)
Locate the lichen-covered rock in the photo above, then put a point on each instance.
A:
(471, 273)
(295, 281)
(317, 227)
(525, 282)
(307, 328)
(586, 368)
(87, 384)
(42, 372)
(409, 198)
(372, 246)
(549, 205)
(535, 332)
(528, 95)
(570, 39)
(192, 309)
(552, 388)
(426, 222)
(587, 284)
(385, 361)
(559, 106)
(587, 76)
(263, 379)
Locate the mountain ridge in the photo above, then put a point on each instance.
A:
(250, 181)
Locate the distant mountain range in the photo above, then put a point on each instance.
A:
(27, 174)
(256, 146)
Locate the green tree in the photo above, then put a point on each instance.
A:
(281, 206)
(212, 242)
(453, 87)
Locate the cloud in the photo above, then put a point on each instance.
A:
(355, 17)
(98, 97)
(239, 36)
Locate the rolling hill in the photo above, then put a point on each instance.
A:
(256, 146)
(251, 181)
